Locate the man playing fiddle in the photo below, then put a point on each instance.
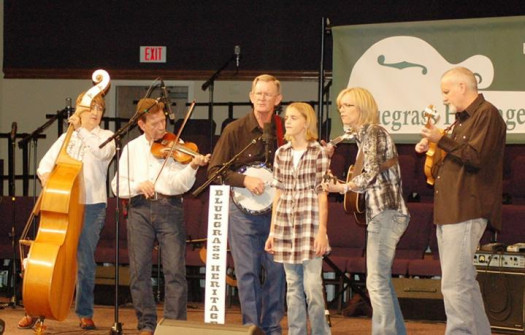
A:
(156, 213)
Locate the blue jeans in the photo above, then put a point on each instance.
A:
(161, 220)
(94, 219)
(457, 245)
(262, 304)
(384, 231)
(305, 279)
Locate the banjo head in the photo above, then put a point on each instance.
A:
(248, 202)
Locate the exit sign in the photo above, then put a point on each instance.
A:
(151, 54)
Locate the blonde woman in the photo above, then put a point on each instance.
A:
(387, 216)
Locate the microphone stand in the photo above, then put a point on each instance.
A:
(35, 135)
(36, 132)
(266, 137)
(117, 326)
(211, 83)
(12, 190)
(223, 168)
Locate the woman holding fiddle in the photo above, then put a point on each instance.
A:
(84, 146)
(155, 187)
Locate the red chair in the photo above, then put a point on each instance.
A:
(347, 241)
(415, 240)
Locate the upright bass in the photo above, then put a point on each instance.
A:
(50, 267)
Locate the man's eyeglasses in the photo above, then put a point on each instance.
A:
(264, 95)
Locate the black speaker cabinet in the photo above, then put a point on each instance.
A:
(503, 295)
(169, 327)
(420, 299)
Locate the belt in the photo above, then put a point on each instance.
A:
(158, 196)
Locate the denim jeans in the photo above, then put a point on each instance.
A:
(94, 219)
(305, 279)
(262, 304)
(457, 245)
(384, 231)
(161, 220)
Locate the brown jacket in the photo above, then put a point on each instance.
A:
(469, 181)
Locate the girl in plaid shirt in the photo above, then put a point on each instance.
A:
(298, 236)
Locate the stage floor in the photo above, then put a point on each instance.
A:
(105, 319)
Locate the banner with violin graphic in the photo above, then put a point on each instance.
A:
(401, 65)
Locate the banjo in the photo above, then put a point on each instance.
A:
(261, 204)
(245, 200)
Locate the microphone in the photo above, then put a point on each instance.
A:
(69, 108)
(13, 131)
(237, 52)
(167, 100)
(267, 138)
(151, 87)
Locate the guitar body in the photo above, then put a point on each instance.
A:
(354, 203)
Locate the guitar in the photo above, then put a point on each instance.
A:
(354, 203)
(434, 154)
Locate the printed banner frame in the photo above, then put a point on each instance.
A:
(401, 65)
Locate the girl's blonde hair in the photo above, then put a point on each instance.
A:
(311, 119)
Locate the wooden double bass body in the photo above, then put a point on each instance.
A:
(50, 268)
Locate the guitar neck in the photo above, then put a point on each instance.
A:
(336, 140)
(339, 139)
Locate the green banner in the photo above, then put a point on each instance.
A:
(401, 65)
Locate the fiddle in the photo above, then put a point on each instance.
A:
(434, 154)
(182, 152)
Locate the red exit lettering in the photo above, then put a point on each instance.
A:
(153, 53)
